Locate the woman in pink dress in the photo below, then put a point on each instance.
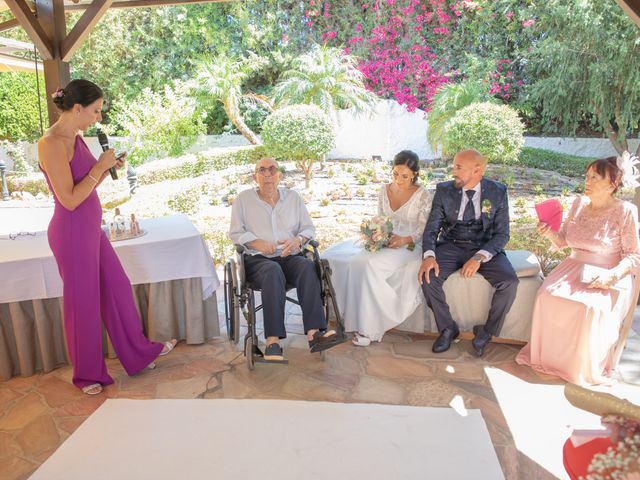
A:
(95, 286)
(576, 325)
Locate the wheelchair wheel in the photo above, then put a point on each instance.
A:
(329, 300)
(248, 352)
(231, 301)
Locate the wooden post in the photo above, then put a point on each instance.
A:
(56, 71)
(56, 75)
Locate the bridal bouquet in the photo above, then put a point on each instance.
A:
(376, 233)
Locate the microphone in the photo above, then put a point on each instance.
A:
(104, 143)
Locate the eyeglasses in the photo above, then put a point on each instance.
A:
(263, 170)
(14, 235)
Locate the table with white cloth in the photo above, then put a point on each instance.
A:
(170, 268)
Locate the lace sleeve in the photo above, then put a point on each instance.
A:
(381, 195)
(424, 208)
(559, 240)
(630, 245)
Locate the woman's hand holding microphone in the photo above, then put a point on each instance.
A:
(106, 161)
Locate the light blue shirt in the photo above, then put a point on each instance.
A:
(252, 218)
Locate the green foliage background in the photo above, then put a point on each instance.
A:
(495, 130)
(19, 114)
(569, 63)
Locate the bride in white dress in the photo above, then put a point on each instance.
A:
(377, 291)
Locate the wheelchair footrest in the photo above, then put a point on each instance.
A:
(320, 347)
(262, 360)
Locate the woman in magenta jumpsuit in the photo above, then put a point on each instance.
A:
(96, 286)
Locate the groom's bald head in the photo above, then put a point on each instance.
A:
(468, 168)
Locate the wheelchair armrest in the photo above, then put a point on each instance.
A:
(241, 250)
(313, 250)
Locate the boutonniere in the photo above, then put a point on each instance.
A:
(486, 207)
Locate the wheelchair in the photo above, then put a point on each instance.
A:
(239, 295)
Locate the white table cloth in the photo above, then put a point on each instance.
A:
(174, 283)
(172, 249)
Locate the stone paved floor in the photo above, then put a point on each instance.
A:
(38, 413)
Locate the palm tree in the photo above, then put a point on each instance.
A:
(326, 77)
(450, 98)
(221, 80)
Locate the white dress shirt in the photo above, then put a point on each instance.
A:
(252, 218)
(478, 211)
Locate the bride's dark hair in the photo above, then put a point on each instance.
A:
(409, 159)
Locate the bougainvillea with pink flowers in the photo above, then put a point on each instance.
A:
(408, 48)
(396, 40)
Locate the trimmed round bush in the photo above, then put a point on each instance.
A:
(302, 133)
(496, 131)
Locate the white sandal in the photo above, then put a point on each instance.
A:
(169, 346)
(93, 389)
(360, 340)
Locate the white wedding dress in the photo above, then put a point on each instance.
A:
(377, 291)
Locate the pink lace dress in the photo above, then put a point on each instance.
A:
(575, 329)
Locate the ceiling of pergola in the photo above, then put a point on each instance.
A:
(11, 53)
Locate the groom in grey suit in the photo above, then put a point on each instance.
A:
(468, 228)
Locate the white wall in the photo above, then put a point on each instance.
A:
(584, 147)
(385, 132)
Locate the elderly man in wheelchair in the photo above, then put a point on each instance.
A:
(270, 227)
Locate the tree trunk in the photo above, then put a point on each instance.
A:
(614, 138)
(306, 166)
(233, 112)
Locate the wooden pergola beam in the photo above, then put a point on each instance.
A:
(147, 3)
(9, 24)
(631, 8)
(30, 23)
(83, 28)
(49, 34)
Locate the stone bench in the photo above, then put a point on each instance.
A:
(469, 300)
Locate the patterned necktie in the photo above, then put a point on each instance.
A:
(469, 214)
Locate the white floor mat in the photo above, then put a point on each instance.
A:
(273, 439)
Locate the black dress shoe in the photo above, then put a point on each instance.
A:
(481, 340)
(443, 342)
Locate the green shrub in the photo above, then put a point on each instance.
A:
(525, 237)
(19, 114)
(186, 201)
(159, 124)
(302, 133)
(449, 99)
(495, 130)
(200, 164)
(219, 245)
(569, 165)
(33, 184)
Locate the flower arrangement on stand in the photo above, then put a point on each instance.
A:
(376, 233)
